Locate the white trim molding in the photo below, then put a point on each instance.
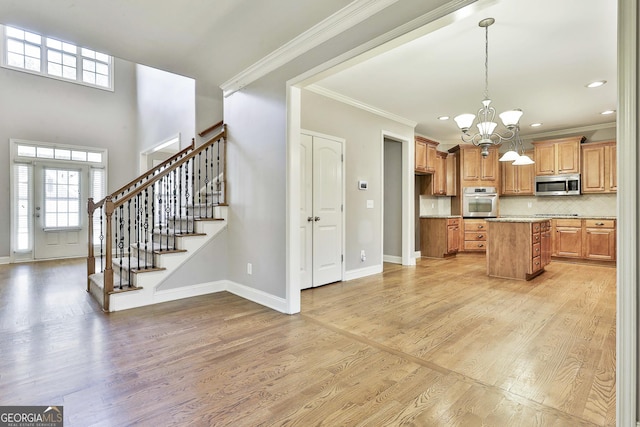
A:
(627, 214)
(5, 260)
(257, 296)
(362, 272)
(361, 105)
(347, 17)
(392, 259)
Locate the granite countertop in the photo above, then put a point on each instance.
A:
(518, 219)
(560, 216)
(440, 216)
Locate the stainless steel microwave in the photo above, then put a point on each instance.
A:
(558, 185)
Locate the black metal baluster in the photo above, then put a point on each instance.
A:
(153, 225)
(146, 229)
(177, 200)
(186, 195)
(102, 238)
(129, 241)
(218, 192)
(120, 222)
(199, 187)
(206, 182)
(138, 227)
(160, 210)
(193, 196)
(171, 187)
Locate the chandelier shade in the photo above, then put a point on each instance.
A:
(487, 135)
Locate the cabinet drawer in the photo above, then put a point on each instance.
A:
(453, 221)
(568, 223)
(536, 264)
(474, 246)
(599, 223)
(536, 250)
(475, 236)
(536, 227)
(474, 225)
(535, 237)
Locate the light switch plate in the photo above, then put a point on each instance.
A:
(369, 204)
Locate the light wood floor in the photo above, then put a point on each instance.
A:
(440, 344)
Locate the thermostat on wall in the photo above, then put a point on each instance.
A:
(363, 185)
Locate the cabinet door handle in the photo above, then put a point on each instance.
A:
(480, 236)
(481, 226)
(480, 245)
(599, 223)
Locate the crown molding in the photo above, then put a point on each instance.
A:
(571, 131)
(356, 12)
(358, 104)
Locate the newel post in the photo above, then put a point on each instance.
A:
(108, 271)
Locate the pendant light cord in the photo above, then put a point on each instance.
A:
(486, 62)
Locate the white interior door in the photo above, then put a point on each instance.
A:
(321, 211)
(306, 211)
(60, 222)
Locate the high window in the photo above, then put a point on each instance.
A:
(34, 53)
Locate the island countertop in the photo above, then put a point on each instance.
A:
(526, 219)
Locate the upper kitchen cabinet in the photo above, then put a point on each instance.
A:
(599, 170)
(475, 170)
(425, 155)
(435, 184)
(517, 180)
(558, 156)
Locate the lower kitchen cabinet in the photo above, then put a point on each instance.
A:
(439, 237)
(599, 239)
(568, 238)
(592, 239)
(475, 235)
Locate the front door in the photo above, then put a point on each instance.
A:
(321, 211)
(60, 199)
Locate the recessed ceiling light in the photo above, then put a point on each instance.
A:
(535, 125)
(596, 83)
(443, 118)
(607, 112)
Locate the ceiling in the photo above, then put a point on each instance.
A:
(542, 53)
(210, 41)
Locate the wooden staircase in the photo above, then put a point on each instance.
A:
(150, 227)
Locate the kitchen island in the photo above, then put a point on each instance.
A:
(519, 247)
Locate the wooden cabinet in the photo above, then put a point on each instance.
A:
(568, 238)
(515, 249)
(599, 167)
(439, 237)
(475, 235)
(452, 174)
(557, 156)
(476, 170)
(425, 155)
(600, 239)
(592, 239)
(545, 242)
(517, 180)
(435, 184)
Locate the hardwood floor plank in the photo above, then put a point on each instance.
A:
(438, 344)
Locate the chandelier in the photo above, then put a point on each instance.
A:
(516, 151)
(486, 135)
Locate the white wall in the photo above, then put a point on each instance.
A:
(166, 104)
(363, 156)
(37, 108)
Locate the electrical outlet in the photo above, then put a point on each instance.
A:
(528, 204)
(249, 268)
(363, 256)
(433, 205)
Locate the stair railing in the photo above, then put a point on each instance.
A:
(145, 216)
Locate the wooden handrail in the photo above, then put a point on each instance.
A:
(210, 128)
(121, 201)
(146, 174)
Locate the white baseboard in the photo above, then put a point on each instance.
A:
(417, 254)
(257, 296)
(5, 260)
(189, 291)
(392, 259)
(362, 272)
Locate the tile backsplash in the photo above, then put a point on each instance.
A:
(584, 205)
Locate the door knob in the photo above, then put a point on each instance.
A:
(309, 218)
(316, 218)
